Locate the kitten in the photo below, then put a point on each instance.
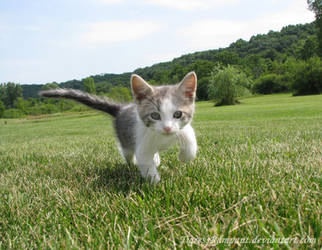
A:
(158, 118)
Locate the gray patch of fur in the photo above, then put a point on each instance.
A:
(152, 103)
(125, 126)
(93, 101)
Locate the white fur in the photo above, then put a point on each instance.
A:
(150, 141)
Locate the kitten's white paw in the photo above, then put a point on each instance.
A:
(151, 175)
(134, 160)
(156, 159)
(154, 179)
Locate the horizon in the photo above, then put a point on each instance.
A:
(37, 49)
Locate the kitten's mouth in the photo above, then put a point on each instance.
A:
(168, 133)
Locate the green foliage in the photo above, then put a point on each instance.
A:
(120, 94)
(270, 83)
(9, 92)
(227, 84)
(13, 113)
(31, 90)
(89, 85)
(308, 77)
(203, 70)
(103, 87)
(49, 108)
(53, 85)
(316, 7)
(227, 57)
(20, 104)
(2, 108)
(309, 48)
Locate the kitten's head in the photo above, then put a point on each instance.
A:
(165, 109)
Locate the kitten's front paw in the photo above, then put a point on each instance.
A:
(151, 175)
(154, 179)
(156, 159)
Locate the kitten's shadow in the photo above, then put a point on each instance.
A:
(117, 177)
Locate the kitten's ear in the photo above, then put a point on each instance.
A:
(188, 85)
(140, 88)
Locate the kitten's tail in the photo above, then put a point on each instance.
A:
(93, 101)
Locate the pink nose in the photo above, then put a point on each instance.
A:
(167, 129)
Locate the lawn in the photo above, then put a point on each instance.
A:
(255, 183)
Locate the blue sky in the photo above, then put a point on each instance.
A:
(43, 41)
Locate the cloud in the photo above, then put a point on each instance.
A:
(118, 31)
(211, 33)
(189, 4)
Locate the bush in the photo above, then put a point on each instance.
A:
(120, 94)
(49, 109)
(36, 110)
(79, 108)
(65, 105)
(308, 77)
(13, 113)
(270, 83)
(227, 84)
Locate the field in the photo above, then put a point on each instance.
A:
(255, 183)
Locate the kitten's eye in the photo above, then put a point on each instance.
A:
(177, 114)
(155, 116)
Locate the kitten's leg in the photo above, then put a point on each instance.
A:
(188, 144)
(128, 155)
(156, 159)
(148, 162)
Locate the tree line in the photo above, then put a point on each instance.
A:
(13, 105)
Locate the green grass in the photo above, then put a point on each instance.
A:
(63, 183)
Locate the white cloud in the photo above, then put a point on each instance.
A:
(189, 4)
(118, 31)
(209, 34)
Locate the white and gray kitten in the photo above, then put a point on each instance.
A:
(158, 118)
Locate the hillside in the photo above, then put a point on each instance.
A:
(256, 57)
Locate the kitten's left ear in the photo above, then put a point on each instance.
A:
(140, 88)
(188, 85)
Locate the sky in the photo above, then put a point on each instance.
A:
(43, 41)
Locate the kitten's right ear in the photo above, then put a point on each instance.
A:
(140, 88)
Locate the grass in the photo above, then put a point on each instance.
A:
(63, 183)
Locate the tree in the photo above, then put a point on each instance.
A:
(268, 84)
(89, 85)
(316, 7)
(227, 84)
(203, 70)
(256, 64)
(307, 77)
(227, 57)
(309, 48)
(9, 92)
(52, 85)
(120, 94)
(20, 104)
